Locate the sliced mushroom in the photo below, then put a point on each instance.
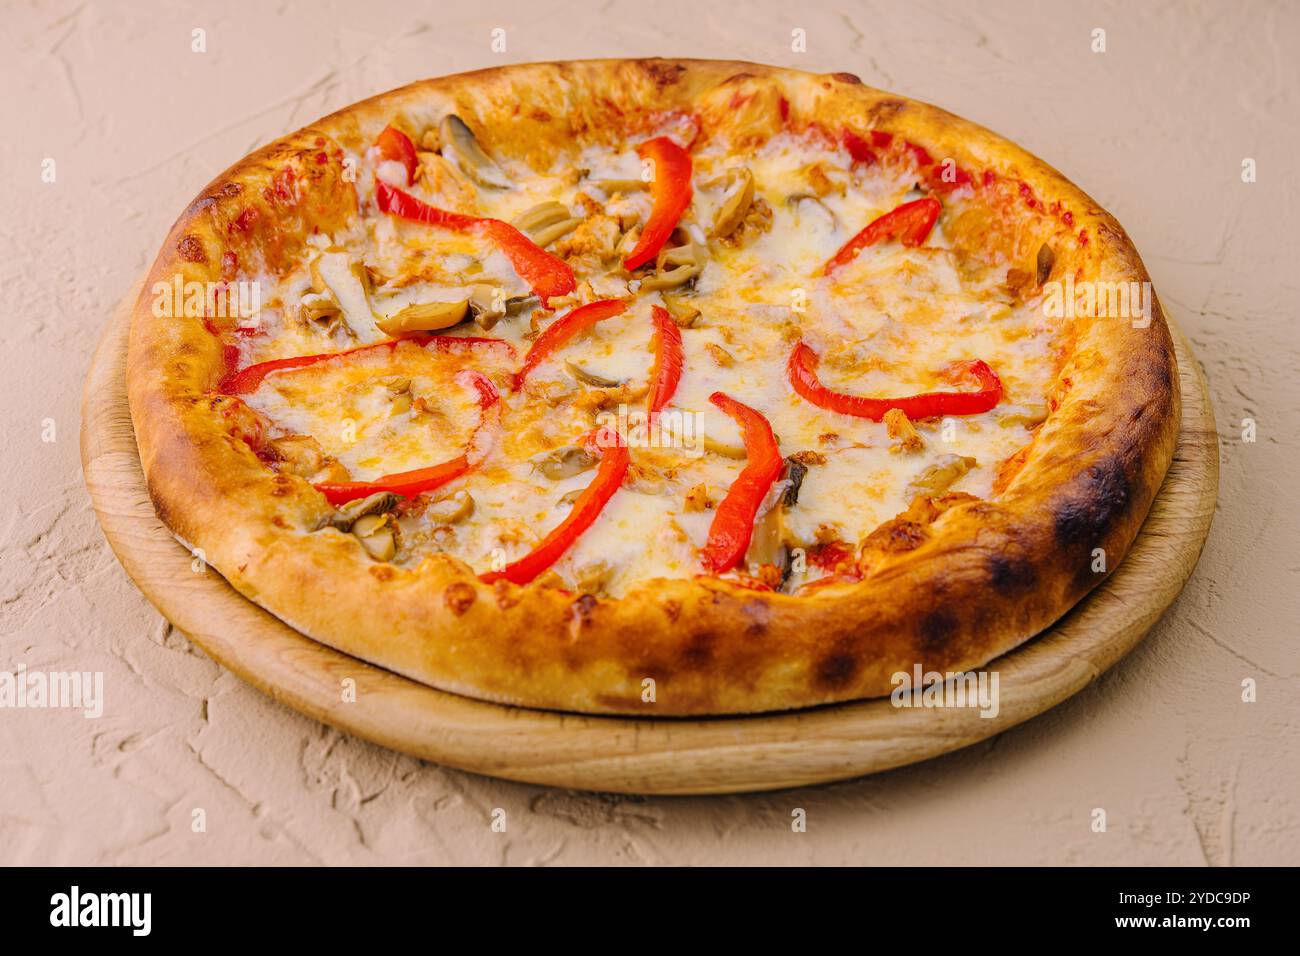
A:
(795, 472)
(399, 393)
(1027, 415)
(806, 204)
(475, 163)
(610, 186)
(320, 308)
(936, 479)
(1046, 259)
(565, 462)
(544, 237)
(487, 305)
(591, 378)
(376, 534)
(335, 272)
(547, 222)
(452, 509)
(739, 196)
(687, 254)
(683, 313)
(631, 236)
(521, 303)
(542, 215)
(671, 279)
(767, 543)
(715, 447)
(424, 317)
(675, 267)
(346, 515)
(592, 577)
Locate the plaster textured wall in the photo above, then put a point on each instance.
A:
(1156, 128)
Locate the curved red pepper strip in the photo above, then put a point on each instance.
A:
(395, 146)
(408, 484)
(802, 370)
(733, 522)
(609, 476)
(671, 193)
(545, 274)
(858, 149)
(563, 329)
(910, 223)
(669, 357)
(250, 379)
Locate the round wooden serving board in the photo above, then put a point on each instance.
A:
(661, 756)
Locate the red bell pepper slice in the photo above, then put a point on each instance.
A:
(250, 379)
(669, 357)
(408, 484)
(670, 192)
(858, 149)
(802, 371)
(395, 146)
(547, 275)
(565, 328)
(609, 477)
(733, 522)
(910, 223)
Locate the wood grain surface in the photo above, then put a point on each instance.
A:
(663, 756)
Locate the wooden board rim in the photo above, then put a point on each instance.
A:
(637, 755)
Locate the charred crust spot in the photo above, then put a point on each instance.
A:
(738, 78)
(1100, 495)
(698, 650)
(230, 190)
(190, 248)
(459, 597)
(505, 594)
(850, 78)
(836, 669)
(663, 74)
(1165, 371)
(896, 536)
(938, 631)
(382, 572)
(673, 609)
(279, 522)
(1011, 575)
(583, 607)
(541, 116)
(281, 485)
(756, 614)
(884, 110)
(160, 509)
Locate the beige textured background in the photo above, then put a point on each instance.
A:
(1156, 128)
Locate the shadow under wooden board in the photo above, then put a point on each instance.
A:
(651, 756)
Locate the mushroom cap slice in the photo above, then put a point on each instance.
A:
(475, 163)
(425, 317)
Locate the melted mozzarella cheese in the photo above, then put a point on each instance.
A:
(888, 324)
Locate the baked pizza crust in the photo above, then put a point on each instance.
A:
(954, 583)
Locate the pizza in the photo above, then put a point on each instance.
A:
(667, 387)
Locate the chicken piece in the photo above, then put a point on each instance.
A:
(901, 429)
